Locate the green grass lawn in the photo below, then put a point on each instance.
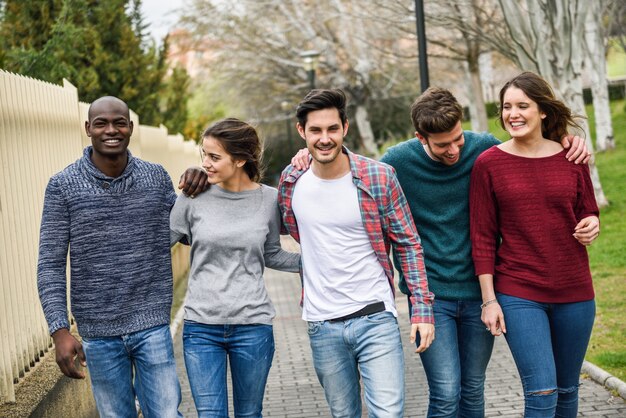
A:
(616, 60)
(608, 253)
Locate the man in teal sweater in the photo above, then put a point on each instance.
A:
(434, 172)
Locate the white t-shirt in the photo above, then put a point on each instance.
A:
(341, 271)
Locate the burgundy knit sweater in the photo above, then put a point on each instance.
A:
(533, 206)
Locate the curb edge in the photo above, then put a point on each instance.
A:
(604, 378)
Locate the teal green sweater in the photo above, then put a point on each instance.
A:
(438, 196)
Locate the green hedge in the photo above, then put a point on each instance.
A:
(492, 111)
(616, 92)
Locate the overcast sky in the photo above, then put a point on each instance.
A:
(161, 15)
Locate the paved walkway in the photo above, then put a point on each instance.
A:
(293, 390)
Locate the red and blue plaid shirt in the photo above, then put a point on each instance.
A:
(387, 220)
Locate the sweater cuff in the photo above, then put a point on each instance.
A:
(58, 324)
(586, 215)
(422, 315)
(484, 267)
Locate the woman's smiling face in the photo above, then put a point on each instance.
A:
(521, 115)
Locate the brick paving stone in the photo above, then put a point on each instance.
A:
(293, 390)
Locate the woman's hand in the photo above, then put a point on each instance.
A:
(493, 318)
(587, 230)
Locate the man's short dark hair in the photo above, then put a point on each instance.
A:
(320, 99)
(435, 111)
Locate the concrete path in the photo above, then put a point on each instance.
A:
(293, 390)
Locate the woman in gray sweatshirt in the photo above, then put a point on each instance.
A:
(233, 230)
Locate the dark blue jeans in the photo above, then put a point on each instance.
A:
(548, 342)
(249, 350)
(456, 361)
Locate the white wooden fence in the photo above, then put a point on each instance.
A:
(41, 132)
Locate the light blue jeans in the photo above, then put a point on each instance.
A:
(139, 364)
(548, 342)
(249, 350)
(456, 362)
(370, 345)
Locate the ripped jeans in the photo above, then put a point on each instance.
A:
(548, 342)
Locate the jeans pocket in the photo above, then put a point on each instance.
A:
(313, 327)
(190, 330)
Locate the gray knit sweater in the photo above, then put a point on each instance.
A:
(117, 230)
(233, 237)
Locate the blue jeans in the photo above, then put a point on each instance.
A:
(548, 342)
(370, 345)
(456, 362)
(249, 350)
(139, 364)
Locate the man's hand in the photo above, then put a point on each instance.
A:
(577, 149)
(301, 160)
(427, 335)
(493, 318)
(67, 349)
(587, 230)
(193, 181)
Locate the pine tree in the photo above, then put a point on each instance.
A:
(175, 100)
(100, 46)
(26, 26)
(65, 54)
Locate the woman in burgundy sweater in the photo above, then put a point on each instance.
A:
(532, 214)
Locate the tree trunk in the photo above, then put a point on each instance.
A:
(572, 95)
(548, 38)
(478, 112)
(368, 141)
(596, 53)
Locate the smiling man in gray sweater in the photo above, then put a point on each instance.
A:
(112, 211)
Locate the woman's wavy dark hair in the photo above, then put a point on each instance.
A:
(558, 115)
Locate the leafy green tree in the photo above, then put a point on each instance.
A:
(26, 26)
(123, 66)
(152, 84)
(206, 105)
(66, 52)
(100, 46)
(175, 97)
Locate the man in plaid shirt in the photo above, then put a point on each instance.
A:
(346, 212)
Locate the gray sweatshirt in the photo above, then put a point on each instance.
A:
(233, 237)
